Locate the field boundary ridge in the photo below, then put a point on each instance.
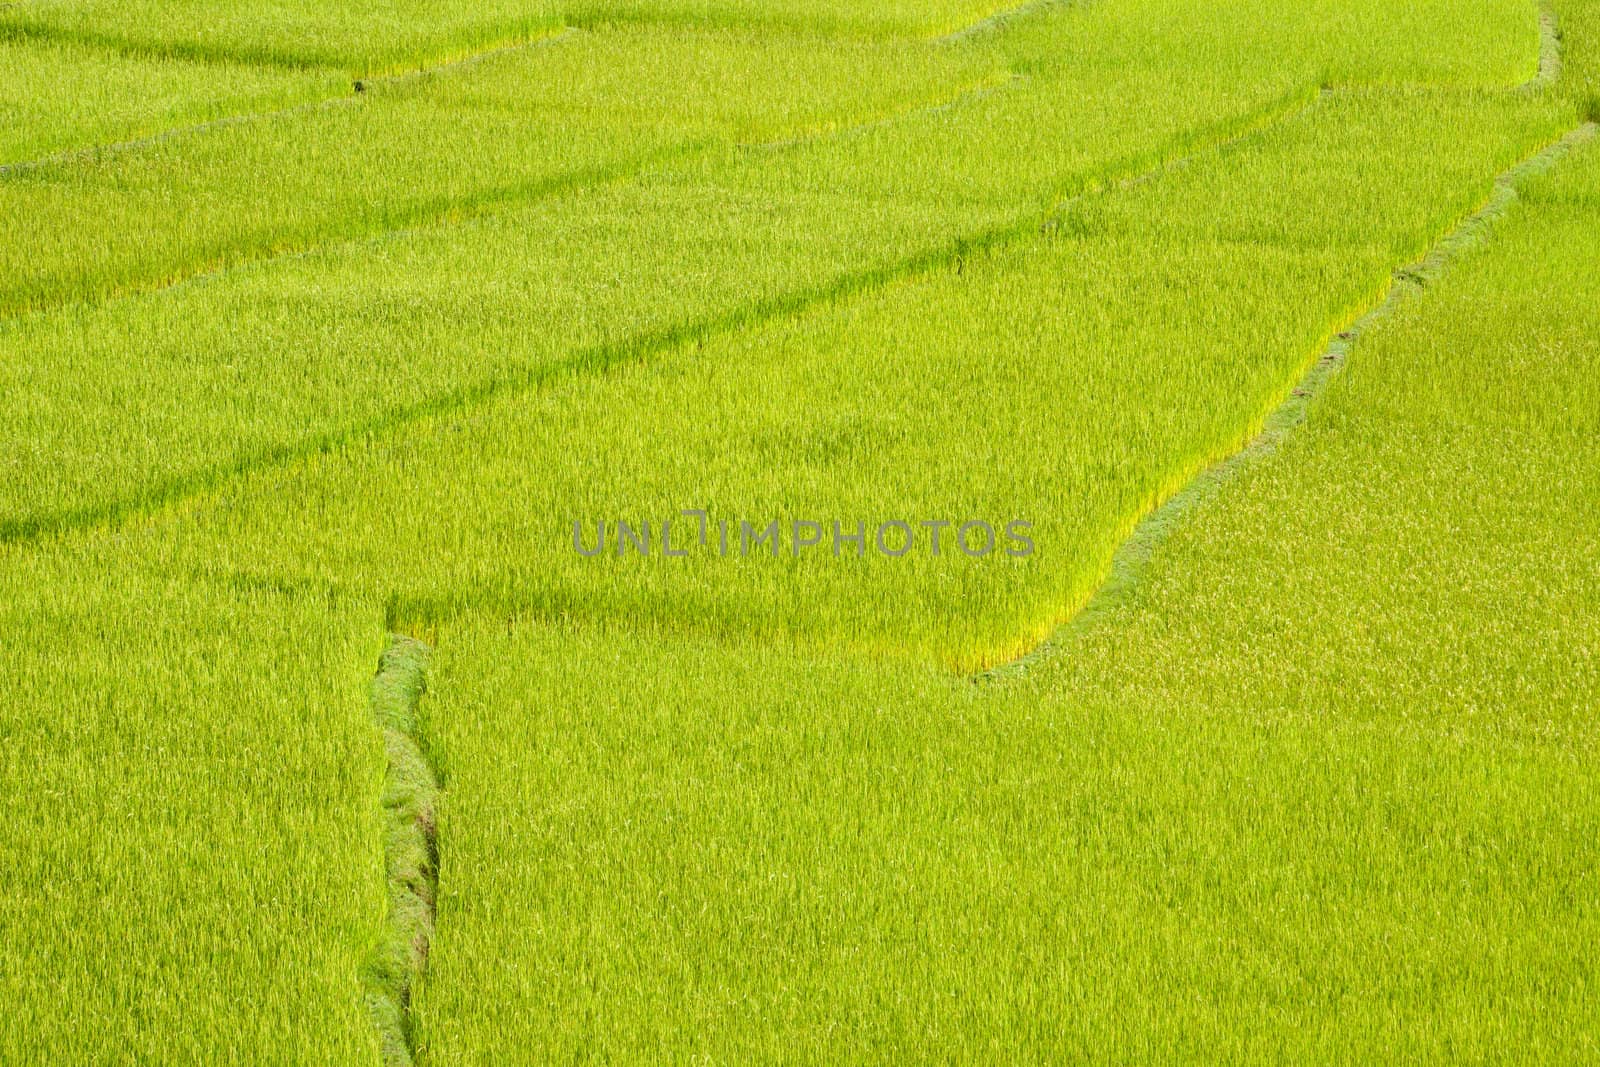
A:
(409, 822)
(1129, 562)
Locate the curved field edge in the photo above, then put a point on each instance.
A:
(1337, 754)
(1127, 564)
(695, 609)
(207, 481)
(286, 525)
(1134, 554)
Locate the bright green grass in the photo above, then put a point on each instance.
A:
(579, 110)
(190, 868)
(1128, 76)
(1122, 99)
(1117, 356)
(235, 367)
(1464, 43)
(385, 36)
(1426, 40)
(55, 98)
(1580, 33)
(1320, 790)
(371, 329)
(272, 357)
(922, 18)
(364, 37)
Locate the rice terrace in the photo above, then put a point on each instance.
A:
(804, 531)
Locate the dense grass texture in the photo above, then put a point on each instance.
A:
(364, 38)
(962, 174)
(1127, 75)
(374, 37)
(56, 99)
(939, 397)
(303, 364)
(1579, 23)
(192, 866)
(513, 127)
(1320, 790)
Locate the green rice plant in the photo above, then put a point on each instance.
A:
(56, 98)
(1124, 111)
(366, 38)
(1118, 355)
(243, 401)
(376, 37)
(1135, 79)
(584, 109)
(661, 847)
(839, 18)
(1319, 787)
(1579, 21)
(1424, 40)
(306, 351)
(1130, 76)
(189, 783)
(292, 354)
(1462, 43)
(1386, 153)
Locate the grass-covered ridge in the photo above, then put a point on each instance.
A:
(514, 127)
(410, 846)
(60, 99)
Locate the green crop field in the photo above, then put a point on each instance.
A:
(799, 531)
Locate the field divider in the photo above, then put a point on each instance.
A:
(1029, 226)
(443, 211)
(410, 799)
(1132, 557)
(423, 215)
(352, 95)
(1549, 72)
(1001, 20)
(282, 58)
